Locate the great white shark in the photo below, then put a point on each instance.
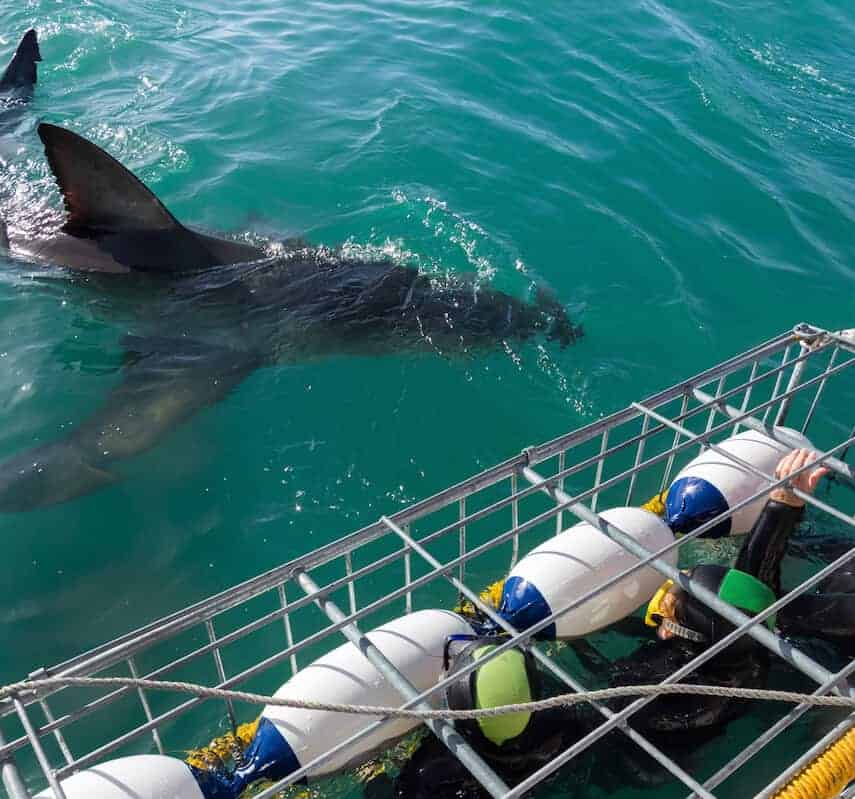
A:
(225, 308)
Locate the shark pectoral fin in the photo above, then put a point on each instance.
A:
(165, 382)
(21, 72)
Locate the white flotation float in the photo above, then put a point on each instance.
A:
(711, 484)
(135, 777)
(290, 737)
(575, 562)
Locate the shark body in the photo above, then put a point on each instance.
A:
(224, 309)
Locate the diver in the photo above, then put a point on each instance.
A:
(685, 627)
(517, 744)
(513, 745)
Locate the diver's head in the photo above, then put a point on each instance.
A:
(508, 678)
(676, 613)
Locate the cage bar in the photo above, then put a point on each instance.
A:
(764, 383)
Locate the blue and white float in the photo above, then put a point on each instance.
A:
(712, 483)
(291, 737)
(578, 560)
(287, 737)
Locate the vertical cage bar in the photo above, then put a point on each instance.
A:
(408, 576)
(598, 478)
(33, 738)
(559, 518)
(719, 388)
(747, 398)
(795, 378)
(819, 389)
(515, 523)
(462, 515)
(12, 781)
(351, 588)
(132, 667)
(777, 387)
(221, 672)
(286, 618)
(666, 477)
(639, 454)
(57, 733)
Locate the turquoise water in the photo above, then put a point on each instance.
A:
(679, 173)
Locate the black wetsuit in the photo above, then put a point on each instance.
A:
(433, 773)
(827, 612)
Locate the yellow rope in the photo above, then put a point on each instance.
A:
(656, 504)
(491, 595)
(225, 748)
(827, 776)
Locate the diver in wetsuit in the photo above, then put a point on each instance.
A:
(514, 745)
(686, 627)
(828, 612)
(517, 745)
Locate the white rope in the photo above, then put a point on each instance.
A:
(21, 689)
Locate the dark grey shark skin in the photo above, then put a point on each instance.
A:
(114, 223)
(20, 75)
(18, 81)
(16, 88)
(218, 321)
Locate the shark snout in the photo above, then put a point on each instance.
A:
(559, 326)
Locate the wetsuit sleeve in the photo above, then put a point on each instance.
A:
(763, 550)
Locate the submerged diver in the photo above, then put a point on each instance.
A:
(516, 745)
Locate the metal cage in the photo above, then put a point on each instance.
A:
(435, 551)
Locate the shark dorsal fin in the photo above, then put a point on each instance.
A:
(21, 72)
(110, 206)
(100, 195)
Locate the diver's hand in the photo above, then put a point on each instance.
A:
(806, 481)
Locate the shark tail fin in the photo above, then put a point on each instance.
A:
(4, 236)
(21, 72)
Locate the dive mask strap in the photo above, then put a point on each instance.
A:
(467, 639)
(683, 632)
